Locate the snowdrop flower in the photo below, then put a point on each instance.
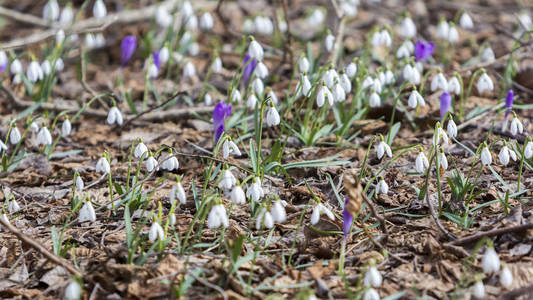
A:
(487, 55)
(381, 38)
(516, 125)
(272, 117)
(156, 232)
(453, 34)
(505, 154)
(304, 85)
(44, 137)
(251, 101)
(3, 147)
(421, 162)
(236, 96)
(140, 149)
(338, 93)
(34, 72)
(329, 41)
(261, 70)
(478, 290)
(216, 66)
(99, 9)
(454, 86)
(255, 50)
(99, 40)
(528, 152)
(351, 69)
(189, 70)
(371, 294)
(466, 21)
(486, 157)
(389, 77)
(525, 20)
(248, 26)
(279, 215)
(329, 77)
(506, 277)
(191, 23)
(484, 83)
(170, 163)
(150, 163)
(451, 129)
(34, 127)
(257, 86)
(162, 17)
(382, 187)
(46, 67)
(316, 18)
(153, 71)
(345, 82)
(15, 67)
(443, 29)
(102, 166)
(441, 134)
(407, 28)
(367, 82)
(187, 9)
(411, 74)
(443, 160)
(90, 41)
(87, 213)
(382, 148)
(51, 10)
(439, 82)
(13, 206)
(230, 147)
(217, 216)
(303, 64)
(264, 217)
(59, 64)
(206, 22)
(177, 191)
(374, 100)
(164, 54)
(4, 61)
(416, 99)
(372, 277)
(237, 195)
(324, 94)
(67, 15)
(66, 128)
(79, 183)
(255, 191)
(228, 180)
(318, 210)
(14, 136)
(349, 8)
(114, 116)
(403, 52)
(60, 36)
(272, 96)
(73, 290)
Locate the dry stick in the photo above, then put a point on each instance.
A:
(34, 244)
(172, 97)
(494, 232)
(430, 205)
(285, 7)
(210, 285)
(338, 41)
(526, 290)
(218, 12)
(26, 18)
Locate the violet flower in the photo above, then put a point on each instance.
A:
(220, 113)
(127, 48)
(445, 104)
(423, 50)
(509, 102)
(157, 61)
(347, 219)
(249, 67)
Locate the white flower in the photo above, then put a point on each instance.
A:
(525, 19)
(140, 149)
(443, 160)
(67, 15)
(73, 290)
(382, 187)
(273, 97)
(351, 69)
(453, 34)
(170, 163)
(346, 83)
(451, 129)
(272, 117)
(318, 210)
(172, 220)
(46, 67)
(375, 100)
(17, 79)
(34, 127)
(248, 26)
(87, 213)
(316, 18)
(3, 60)
(13, 206)
(278, 212)
(416, 99)
(162, 17)
(261, 70)
(411, 74)
(59, 64)
(257, 86)
(421, 162)
(386, 40)
(349, 8)
(237, 195)
(14, 136)
(441, 134)
(371, 294)
(264, 217)
(305, 85)
(150, 163)
(338, 93)
(114, 116)
(255, 191)
(4, 217)
(156, 232)
(505, 155)
(189, 70)
(389, 77)
(303, 64)
(228, 180)
(66, 128)
(206, 22)
(490, 261)
(367, 82)
(230, 147)
(102, 166)
(217, 216)
(264, 25)
(372, 277)
(164, 54)
(486, 157)
(439, 82)
(186, 9)
(99, 40)
(191, 23)
(90, 42)
(51, 10)
(79, 183)
(236, 96)
(454, 86)
(328, 42)
(403, 51)
(177, 191)
(324, 94)
(407, 28)
(383, 148)
(16, 66)
(516, 126)
(60, 36)
(153, 71)
(466, 21)
(484, 83)
(252, 100)
(478, 290)
(255, 50)
(443, 29)
(506, 277)
(329, 77)
(44, 137)
(528, 152)
(216, 66)
(3, 146)
(487, 55)
(208, 100)
(99, 9)
(34, 72)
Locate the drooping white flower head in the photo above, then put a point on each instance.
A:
(79, 183)
(258, 86)
(345, 83)
(44, 137)
(304, 86)
(465, 21)
(372, 277)
(3, 147)
(440, 136)
(439, 82)
(374, 100)
(51, 10)
(382, 147)
(217, 216)
(303, 64)
(411, 74)
(506, 154)
(525, 19)
(264, 218)
(236, 95)
(230, 147)
(263, 25)
(99, 9)
(237, 195)
(189, 70)
(170, 162)
(443, 161)
(279, 215)
(484, 83)
(67, 15)
(114, 116)
(90, 41)
(415, 99)
(255, 191)
(490, 261)
(486, 157)
(73, 290)
(272, 96)
(318, 210)
(164, 54)
(382, 187)
(14, 136)
(99, 40)
(16, 66)
(506, 277)
(453, 34)
(261, 70)
(421, 162)
(216, 66)
(442, 29)
(349, 8)
(87, 213)
(272, 116)
(153, 71)
(255, 50)
(516, 126)
(487, 55)
(251, 101)
(351, 69)
(338, 92)
(528, 151)
(227, 181)
(451, 129)
(102, 166)
(66, 128)
(140, 149)
(162, 17)
(316, 18)
(371, 294)
(478, 290)
(329, 41)
(34, 72)
(177, 191)
(454, 86)
(13, 206)
(60, 36)
(407, 28)
(324, 94)
(206, 21)
(151, 163)
(46, 67)
(248, 26)
(156, 232)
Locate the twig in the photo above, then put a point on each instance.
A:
(494, 232)
(93, 293)
(37, 246)
(210, 285)
(338, 10)
(288, 46)
(175, 95)
(526, 290)
(26, 18)
(338, 41)
(218, 12)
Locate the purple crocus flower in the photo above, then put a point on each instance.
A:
(220, 113)
(347, 219)
(127, 48)
(509, 102)
(445, 104)
(249, 67)
(157, 61)
(423, 50)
